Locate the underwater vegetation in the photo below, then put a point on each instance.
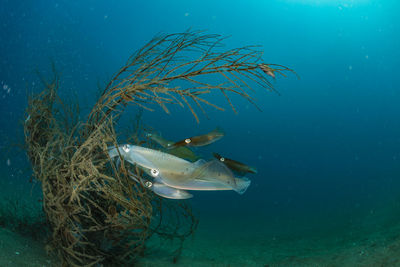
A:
(95, 207)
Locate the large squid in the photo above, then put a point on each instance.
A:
(171, 174)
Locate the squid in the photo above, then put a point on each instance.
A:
(181, 152)
(171, 174)
(201, 140)
(234, 165)
(161, 189)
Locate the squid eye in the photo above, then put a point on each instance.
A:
(148, 184)
(126, 148)
(154, 172)
(187, 141)
(222, 159)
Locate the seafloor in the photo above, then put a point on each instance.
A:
(239, 244)
(370, 237)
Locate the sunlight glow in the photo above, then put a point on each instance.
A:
(343, 3)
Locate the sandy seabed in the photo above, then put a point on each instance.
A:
(372, 240)
(17, 250)
(215, 249)
(221, 248)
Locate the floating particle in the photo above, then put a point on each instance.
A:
(8, 162)
(186, 14)
(6, 88)
(350, 67)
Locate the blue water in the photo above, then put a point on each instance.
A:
(327, 148)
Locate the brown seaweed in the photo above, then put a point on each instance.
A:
(96, 213)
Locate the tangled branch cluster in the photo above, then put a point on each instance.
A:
(97, 214)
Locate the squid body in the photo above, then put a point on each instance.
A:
(173, 175)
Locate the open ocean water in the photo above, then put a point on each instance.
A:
(326, 147)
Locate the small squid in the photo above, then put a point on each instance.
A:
(234, 165)
(181, 152)
(200, 140)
